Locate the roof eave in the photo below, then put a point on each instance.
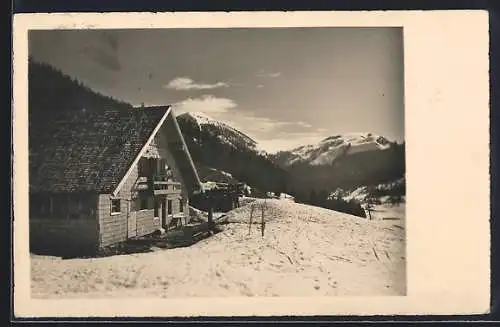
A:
(188, 155)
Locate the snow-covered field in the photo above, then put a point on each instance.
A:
(305, 251)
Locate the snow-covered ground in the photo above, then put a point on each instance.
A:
(389, 214)
(305, 251)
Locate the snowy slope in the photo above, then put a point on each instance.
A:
(333, 147)
(319, 251)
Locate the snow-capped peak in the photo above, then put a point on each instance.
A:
(201, 118)
(222, 131)
(327, 150)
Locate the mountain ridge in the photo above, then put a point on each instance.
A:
(203, 120)
(329, 149)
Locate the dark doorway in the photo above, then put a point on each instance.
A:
(169, 202)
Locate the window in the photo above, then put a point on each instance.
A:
(42, 207)
(146, 167)
(169, 174)
(75, 208)
(38, 207)
(142, 167)
(115, 206)
(169, 207)
(181, 207)
(162, 167)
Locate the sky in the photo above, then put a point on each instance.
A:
(284, 87)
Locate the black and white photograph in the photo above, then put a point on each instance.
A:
(217, 162)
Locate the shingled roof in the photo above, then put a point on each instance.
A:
(88, 150)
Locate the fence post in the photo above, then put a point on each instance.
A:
(263, 222)
(251, 217)
(211, 219)
(369, 209)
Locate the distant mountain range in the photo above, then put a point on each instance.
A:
(225, 154)
(343, 162)
(331, 148)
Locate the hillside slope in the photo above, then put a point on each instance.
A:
(225, 133)
(51, 92)
(305, 251)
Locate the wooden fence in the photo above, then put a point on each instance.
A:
(222, 198)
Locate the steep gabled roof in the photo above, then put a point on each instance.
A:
(89, 150)
(179, 150)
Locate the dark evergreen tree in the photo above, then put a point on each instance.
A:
(312, 197)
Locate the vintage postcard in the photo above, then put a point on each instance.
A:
(237, 164)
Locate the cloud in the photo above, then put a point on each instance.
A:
(303, 124)
(272, 131)
(274, 135)
(260, 86)
(206, 103)
(255, 125)
(186, 84)
(263, 73)
(289, 142)
(291, 138)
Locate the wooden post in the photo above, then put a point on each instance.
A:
(211, 219)
(251, 217)
(262, 223)
(369, 209)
